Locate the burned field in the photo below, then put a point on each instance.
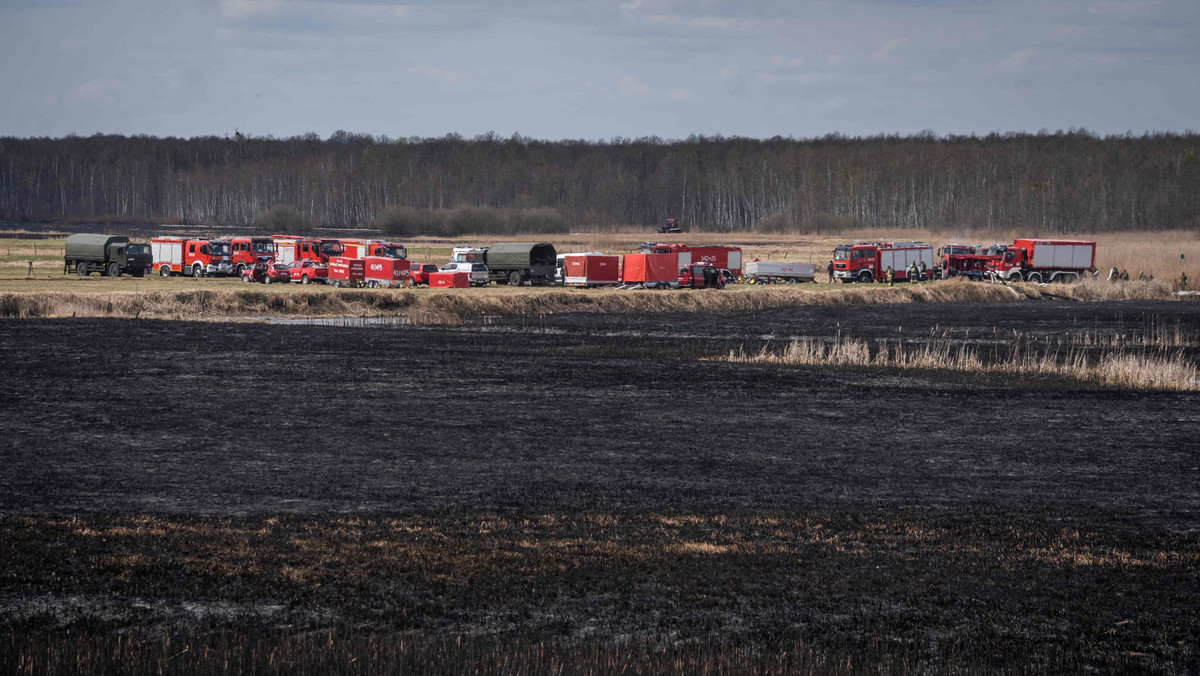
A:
(594, 490)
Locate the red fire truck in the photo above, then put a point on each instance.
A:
(289, 248)
(964, 260)
(721, 257)
(869, 261)
(361, 248)
(195, 257)
(249, 252)
(1043, 260)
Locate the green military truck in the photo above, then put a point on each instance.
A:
(518, 263)
(112, 255)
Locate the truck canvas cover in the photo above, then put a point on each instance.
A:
(521, 255)
(87, 245)
(641, 268)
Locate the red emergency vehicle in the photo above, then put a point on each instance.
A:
(289, 249)
(248, 252)
(869, 261)
(700, 276)
(1043, 260)
(963, 260)
(386, 272)
(721, 257)
(361, 248)
(195, 257)
(346, 271)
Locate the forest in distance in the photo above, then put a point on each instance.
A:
(1044, 183)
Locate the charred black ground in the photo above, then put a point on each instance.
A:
(588, 480)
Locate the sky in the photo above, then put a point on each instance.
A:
(597, 69)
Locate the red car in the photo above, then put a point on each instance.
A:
(308, 271)
(275, 273)
(420, 272)
(700, 276)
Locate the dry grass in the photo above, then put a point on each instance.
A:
(426, 306)
(1122, 368)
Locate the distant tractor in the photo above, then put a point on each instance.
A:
(107, 254)
(670, 227)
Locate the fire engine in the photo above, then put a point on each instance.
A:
(361, 248)
(721, 257)
(869, 261)
(249, 252)
(1042, 260)
(289, 249)
(964, 260)
(195, 257)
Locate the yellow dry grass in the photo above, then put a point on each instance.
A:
(1145, 369)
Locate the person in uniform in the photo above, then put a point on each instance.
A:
(891, 276)
(830, 271)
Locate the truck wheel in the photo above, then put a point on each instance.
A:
(337, 283)
(1035, 277)
(197, 272)
(164, 271)
(81, 269)
(304, 279)
(241, 268)
(114, 270)
(865, 278)
(514, 278)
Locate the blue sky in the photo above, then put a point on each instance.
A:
(596, 70)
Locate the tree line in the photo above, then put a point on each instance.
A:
(1049, 182)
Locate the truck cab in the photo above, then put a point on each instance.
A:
(854, 263)
(249, 252)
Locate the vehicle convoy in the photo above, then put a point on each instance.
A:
(249, 252)
(722, 257)
(477, 273)
(767, 272)
(1042, 260)
(869, 261)
(519, 262)
(112, 255)
(195, 257)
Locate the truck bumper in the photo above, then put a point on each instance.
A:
(222, 269)
(843, 274)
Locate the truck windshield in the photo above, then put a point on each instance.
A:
(392, 252)
(264, 248)
(137, 249)
(332, 248)
(218, 248)
(841, 254)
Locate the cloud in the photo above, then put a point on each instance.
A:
(240, 9)
(781, 60)
(834, 59)
(629, 85)
(728, 70)
(1068, 31)
(679, 94)
(1015, 62)
(890, 46)
(95, 91)
(766, 78)
(451, 79)
(718, 23)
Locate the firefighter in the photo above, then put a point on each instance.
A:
(1124, 275)
(29, 275)
(830, 271)
(1183, 281)
(923, 269)
(1114, 274)
(913, 273)
(891, 276)
(1141, 275)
